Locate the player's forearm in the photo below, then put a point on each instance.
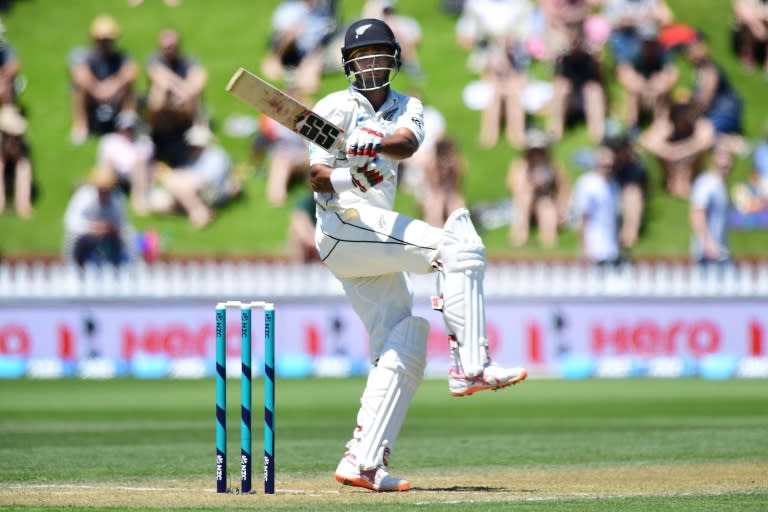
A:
(320, 178)
(400, 145)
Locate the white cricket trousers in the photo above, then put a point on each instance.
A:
(370, 250)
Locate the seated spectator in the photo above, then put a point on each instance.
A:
(301, 231)
(579, 90)
(286, 155)
(9, 69)
(752, 196)
(444, 182)
(760, 166)
(714, 97)
(626, 16)
(750, 35)
(709, 210)
(506, 78)
(300, 29)
(96, 221)
(495, 32)
(174, 100)
(540, 192)
(595, 204)
(18, 179)
(679, 142)
(204, 183)
(552, 24)
(631, 175)
(647, 80)
(130, 153)
(414, 170)
(484, 25)
(407, 31)
(102, 82)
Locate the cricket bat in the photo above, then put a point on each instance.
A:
(286, 110)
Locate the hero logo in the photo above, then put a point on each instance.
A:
(647, 337)
(266, 468)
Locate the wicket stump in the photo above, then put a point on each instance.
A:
(246, 309)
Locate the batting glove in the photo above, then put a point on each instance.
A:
(363, 144)
(366, 177)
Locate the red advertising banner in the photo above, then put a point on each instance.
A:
(520, 333)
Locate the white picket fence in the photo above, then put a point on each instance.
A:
(21, 280)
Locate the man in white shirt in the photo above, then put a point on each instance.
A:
(595, 204)
(709, 210)
(371, 249)
(96, 220)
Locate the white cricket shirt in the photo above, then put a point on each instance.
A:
(348, 109)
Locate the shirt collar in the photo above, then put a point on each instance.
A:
(390, 102)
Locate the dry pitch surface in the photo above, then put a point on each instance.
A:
(492, 486)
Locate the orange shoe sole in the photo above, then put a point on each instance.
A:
(365, 484)
(470, 391)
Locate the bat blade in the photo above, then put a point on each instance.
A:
(285, 109)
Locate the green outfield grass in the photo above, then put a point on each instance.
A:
(233, 34)
(596, 445)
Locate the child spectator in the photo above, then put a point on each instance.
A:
(18, 179)
(102, 81)
(709, 210)
(647, 79)
(595, 205)
(579, 89)
(130, 153)
(540, 192)
(174, 100)
(96, 221)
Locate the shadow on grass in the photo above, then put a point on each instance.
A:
(468, 488)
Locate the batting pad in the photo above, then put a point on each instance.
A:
(389, 390)
(460, 287)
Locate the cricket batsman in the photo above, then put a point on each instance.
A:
(371, 249)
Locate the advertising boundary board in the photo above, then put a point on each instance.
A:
(538, 333)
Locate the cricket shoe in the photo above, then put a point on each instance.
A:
(377, 479)
(493, 377)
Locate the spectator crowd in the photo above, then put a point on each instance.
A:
(546, 68)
